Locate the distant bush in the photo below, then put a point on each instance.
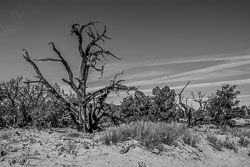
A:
(150, 134)
(159, 107)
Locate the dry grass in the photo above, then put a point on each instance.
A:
(190, 138)
(150, 134)
(5, 135)
(215, 142)
(231, 145)
(243, 141)
(239, 132)
(219, 144)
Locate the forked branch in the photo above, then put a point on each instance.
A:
(43, 80)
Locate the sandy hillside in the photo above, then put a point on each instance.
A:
(66, 148)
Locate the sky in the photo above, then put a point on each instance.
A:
(160, 43)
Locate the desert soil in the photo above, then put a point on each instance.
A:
(67, 148)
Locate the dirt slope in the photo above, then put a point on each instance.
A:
(66, 148)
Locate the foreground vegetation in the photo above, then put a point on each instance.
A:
(151, 135)
(143, 143)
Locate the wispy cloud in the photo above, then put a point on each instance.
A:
(196, 59)
(192, 74)
(209, 84)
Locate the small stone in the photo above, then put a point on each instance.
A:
(16, 149)
(36, 153)
(18, 134)
(22, 161)
(12, 161)
(60, 153)
(156, 151)
(2, 159)
(3, 153)
(86, 146)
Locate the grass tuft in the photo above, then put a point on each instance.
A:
(5, 135)
(190, 139)
(215, 142)
(231, 145)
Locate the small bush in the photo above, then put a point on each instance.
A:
(215, 142)
(243, 141)
(106, 139)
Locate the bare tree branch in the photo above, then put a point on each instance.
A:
(44, 81)
(47, 59)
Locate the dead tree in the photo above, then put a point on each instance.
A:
(183, 106)
(200, 112)
(92, 56)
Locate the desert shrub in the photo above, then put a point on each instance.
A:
(243, 141)
(230, 145)
(190, 138)
(106, 139)
(215, 142)
(150, 134)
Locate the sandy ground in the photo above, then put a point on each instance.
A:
(66, 148)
